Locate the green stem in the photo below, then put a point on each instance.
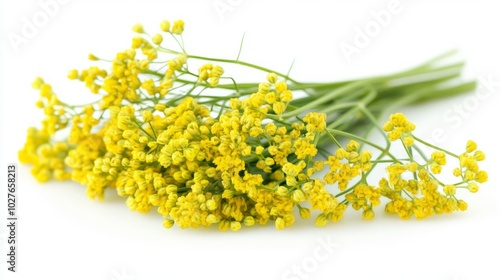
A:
(434, 147)
(231, 61)
(327, 97)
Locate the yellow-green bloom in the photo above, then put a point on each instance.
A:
(204, 148)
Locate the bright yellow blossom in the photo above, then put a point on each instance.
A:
(250, 155)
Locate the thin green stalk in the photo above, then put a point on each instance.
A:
(231, 61)
(435, 147)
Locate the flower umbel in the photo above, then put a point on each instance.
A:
(202, 149)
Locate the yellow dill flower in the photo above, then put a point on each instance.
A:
(165, 26)
(471, 146)
(235, 226)
(245, 153)
(73, 74)
(271, 97)
(315, 122)
(449, 189)
(321, 220)
(286, 96)
(210, 74)
(92, 57)
(280, 86)
(279, 223)
(279, 108)
(178, 27)
(398, 126)
(138, 28)
(368, 214)
(305, 213)
(157, 39)
(473, 187)
(272, 78)
(408, 141)
(249, 221)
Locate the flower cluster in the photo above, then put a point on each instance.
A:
(253, 156)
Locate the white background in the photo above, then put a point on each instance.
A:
(64, 235)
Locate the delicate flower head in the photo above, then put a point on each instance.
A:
(204, 149)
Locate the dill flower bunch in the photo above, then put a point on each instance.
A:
(201, 148)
